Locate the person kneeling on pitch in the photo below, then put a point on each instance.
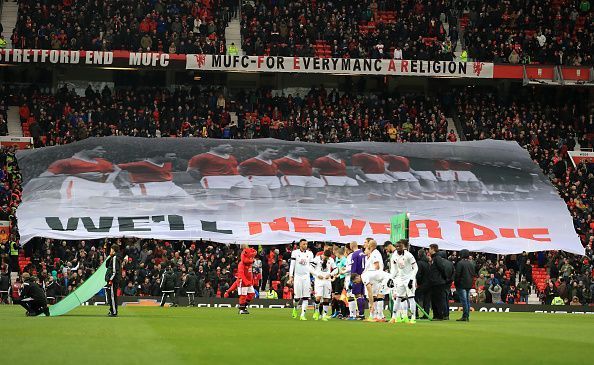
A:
(32, 297)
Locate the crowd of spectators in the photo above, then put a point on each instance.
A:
(172, 26)
(510, 279)
(10, 189)
(65, 265)
(362, 29)
(62, 266)
(318, 116)
(3, 112)
(557, 32)
(548, 125)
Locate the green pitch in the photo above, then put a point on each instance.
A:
(149, 335)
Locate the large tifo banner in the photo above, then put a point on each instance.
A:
(484, 196)
(349, 66)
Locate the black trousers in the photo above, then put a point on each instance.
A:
(178, 294)
(446, 300)
(33, 307)
(111, 294)
(167, 294)
(438, 302)
(423, 298)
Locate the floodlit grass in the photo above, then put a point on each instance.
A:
(149, 335)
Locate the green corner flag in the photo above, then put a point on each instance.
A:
(83, 293)
(399, 227)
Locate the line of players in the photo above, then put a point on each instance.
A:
(359, 271)
(88, 174)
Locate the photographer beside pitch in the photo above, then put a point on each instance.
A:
(32, 297)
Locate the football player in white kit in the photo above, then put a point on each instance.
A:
(299, 272)
(351, 247)
(373, 278)
(403, 270)
(323, 268)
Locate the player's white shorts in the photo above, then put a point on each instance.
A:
(445, 175)
(339, 181)
(245, 290)
(270, 182)
(225, 182)
(304, 181)
(301, 286)
(323, 288)
(466, 176)
(379, 178)
(403, 176)
(159, 189)
(376, 278)
(425, 175)
(75, 188)
(402, 290)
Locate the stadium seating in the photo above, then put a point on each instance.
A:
(161, 26)
(552, 32)
(540, 276)
(358, 29)
(63, 118)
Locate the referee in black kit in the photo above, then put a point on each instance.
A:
(111, 276)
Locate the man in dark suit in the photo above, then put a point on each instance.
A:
(437, 281)
(465, 273)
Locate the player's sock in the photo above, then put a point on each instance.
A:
(379, 305)
(341, 308)
(404, 309)
(352, 307)
(396, 308)
(242, 302)
(361, 306)
(400, 310)
(316, 307)
(412, 306)
(325, 309)
(304, 304)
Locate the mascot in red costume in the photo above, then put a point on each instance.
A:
(245, 280)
